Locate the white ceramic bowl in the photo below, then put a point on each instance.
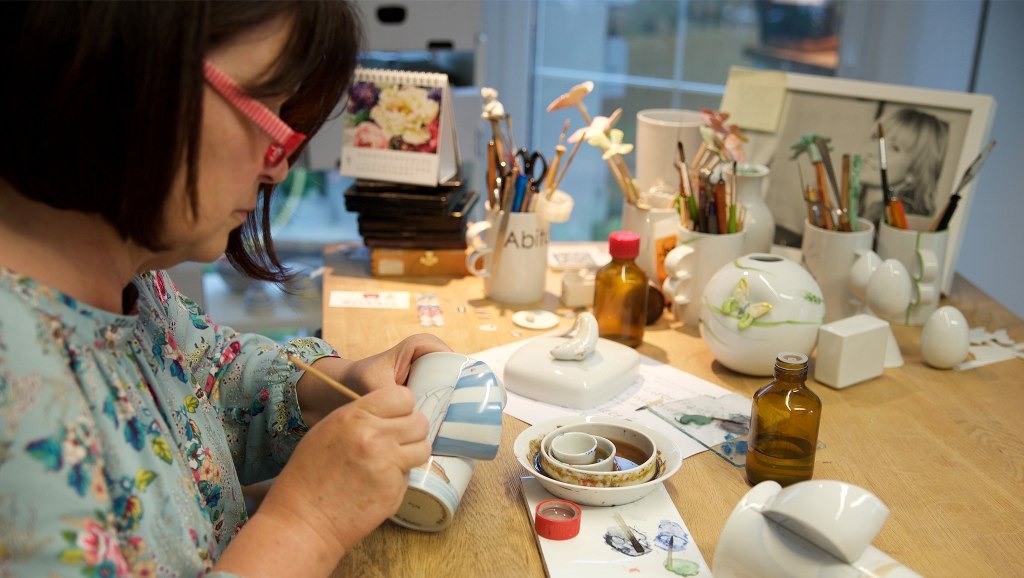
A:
(528, 443)
(636, 453)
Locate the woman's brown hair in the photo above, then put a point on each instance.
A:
(102, 102)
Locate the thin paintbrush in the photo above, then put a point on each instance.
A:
(971, 172)
(565, 168)
(549, 179)
(629, 534)
(689, 202)
(327, 379)
(839, 215)
(893, 205)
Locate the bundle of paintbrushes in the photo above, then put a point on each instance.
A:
(516, 176)
(707, 196)
(600, 133)
(831, 202)
(707, 200)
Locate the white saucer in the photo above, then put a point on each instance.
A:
(535, 319)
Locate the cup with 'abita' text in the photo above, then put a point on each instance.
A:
(510, 252)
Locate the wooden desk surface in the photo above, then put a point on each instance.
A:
(943, 449)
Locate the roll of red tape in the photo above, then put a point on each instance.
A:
(557, 519)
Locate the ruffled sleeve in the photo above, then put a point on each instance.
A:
(247, 377)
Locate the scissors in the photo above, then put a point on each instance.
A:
(528, 181)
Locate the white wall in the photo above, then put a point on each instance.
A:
(992, 256)
(931, 44)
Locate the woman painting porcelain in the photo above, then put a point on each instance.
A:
(915, 150)
(139, 135)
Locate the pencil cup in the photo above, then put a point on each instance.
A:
(657, 231)
(511, 254)
(691, 264)
(923, 253)
(829, 256)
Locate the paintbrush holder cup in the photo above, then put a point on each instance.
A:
(513, 266)
(830, 257)
(923, 253)
(691, 264)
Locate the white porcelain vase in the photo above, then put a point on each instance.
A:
(758, 223)
(757, 306)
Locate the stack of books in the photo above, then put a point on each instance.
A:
(413, 229)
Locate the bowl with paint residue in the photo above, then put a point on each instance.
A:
(581, 487)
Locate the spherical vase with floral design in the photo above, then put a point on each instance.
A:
(757, 306)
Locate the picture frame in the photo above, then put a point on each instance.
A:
(775, 109)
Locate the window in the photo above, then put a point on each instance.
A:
(645, 54)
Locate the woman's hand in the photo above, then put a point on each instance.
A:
(347, 476)
(390, 367)
(386, 369)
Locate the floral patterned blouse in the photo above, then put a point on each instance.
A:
(125, 439)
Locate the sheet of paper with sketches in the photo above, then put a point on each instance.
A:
(659, 383)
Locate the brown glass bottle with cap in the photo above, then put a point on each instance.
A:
(784, 420)
(620, 292)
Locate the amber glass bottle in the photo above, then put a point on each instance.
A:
(620, 292)
(784, 419)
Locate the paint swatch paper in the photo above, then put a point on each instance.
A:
(369, 299)
(601, 549)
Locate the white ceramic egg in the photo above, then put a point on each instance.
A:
(889, 289)
(944, 338)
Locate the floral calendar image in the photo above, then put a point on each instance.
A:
(393, 116)
(399, 128)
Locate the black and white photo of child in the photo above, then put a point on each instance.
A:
(915, 143)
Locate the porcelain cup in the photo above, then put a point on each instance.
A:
(830, 256)
(516, 273)
(657, 132)
(753, 544)
(657, 231)
(838, 517)
(604, 457)
(574, 448)
(463, 401)
(923, 253)
(691, 265)
(435, 492)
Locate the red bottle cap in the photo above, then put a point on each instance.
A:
(624, 245)
(557, 519)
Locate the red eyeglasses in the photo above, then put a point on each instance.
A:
(285, 139)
